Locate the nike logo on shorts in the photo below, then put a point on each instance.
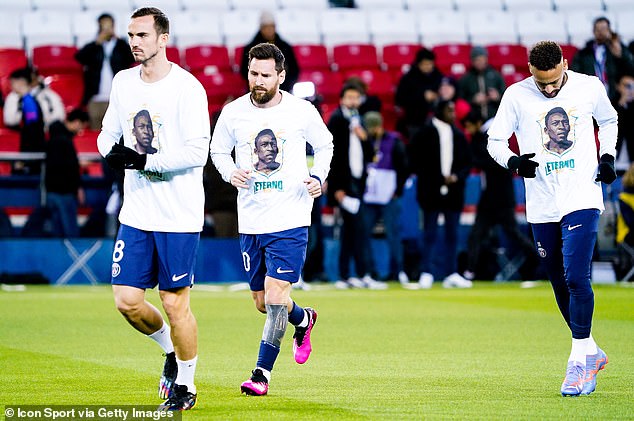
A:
(280, 270)
(571, 227)
(178, 278)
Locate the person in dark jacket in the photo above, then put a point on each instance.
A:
(417, 92)
(605, 57)
(482, 86)
(624, 106)
(267, 34)
(496, 207)
(346, 185)
(102, 59)
(440, 157)
(62, 177)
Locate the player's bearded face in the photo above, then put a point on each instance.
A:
(261, 95)
(264, 80)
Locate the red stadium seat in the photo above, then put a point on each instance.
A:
(86, 141)
(237, 57)
(399, 56)
(355, 56)
(173, 54)
(69, 86)
(220, 86)
(207, 59)
(508, 58)
(56, 59)
(9, 140)
(311, 56)
(569, 51)
(11, 59)
(327, 84)
(453, 59)
(512, 78)
(379, 83)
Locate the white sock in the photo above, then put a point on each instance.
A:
(304, 322)
(186, 370)
(578, 351)
(592, 346)
(266, 373)
(163, 338)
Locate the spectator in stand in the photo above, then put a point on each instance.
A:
(448, 91)
(31, 107)
(439, 156)
(605, 57)
(496, 206)
(624, 105)
(417, 92)
(62, 177)
(482, 86)
(267, 33)
(625, 220)
(368, 102)
(102, 59)
(346, 185)
(387, 174)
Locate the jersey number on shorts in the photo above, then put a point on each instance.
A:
(117, 254)
(246, 260)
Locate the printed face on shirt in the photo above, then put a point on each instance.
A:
(557, 128)
(266, 150)
(143, 132)
(264, 81)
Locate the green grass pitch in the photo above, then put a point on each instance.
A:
(496, 351)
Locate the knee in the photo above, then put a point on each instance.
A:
(175, 309)
(127, 307)
(260, 306)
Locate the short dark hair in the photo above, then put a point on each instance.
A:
(78, 114)
(424, 54)
(142, 113)
(473, 117)
(161, 22)
(545, 55)
(351, 87)
(556, 110)
(105, 16)
(264, 132)
(601, 19)
(265, 51)
(25, 73)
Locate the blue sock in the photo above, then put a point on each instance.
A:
(267, 356)
(296, 316)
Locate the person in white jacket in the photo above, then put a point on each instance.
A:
(563, 186)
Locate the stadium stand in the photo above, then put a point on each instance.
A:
(570, 5)
(10, 60)
(207, 59)
(429, 5)
(55, 59)
(520, 6)
(379, 4)
(239, 27)
(195, 28)
(11, 29)
(299, 25)
(344, 26)
(354, 56)
(536, 25)
(579, 24)
(398, 57)
(311, 56)
(453, 59)
(46, 27)
(508, 58)
(442, 27)
(315, 5)
(70, 6)
(477, 5)
(258, 5)
(491, 26)
(392, 26)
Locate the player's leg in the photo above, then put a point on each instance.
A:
(430, 232)
(579, 231)
(177, 257)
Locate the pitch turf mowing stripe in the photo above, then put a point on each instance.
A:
(493, 352)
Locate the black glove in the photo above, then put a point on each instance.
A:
(121, 157)
(523, 165)
(606, 173)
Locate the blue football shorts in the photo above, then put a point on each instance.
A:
(280, 255)
(143, 259)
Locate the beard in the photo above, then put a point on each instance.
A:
(262, 96)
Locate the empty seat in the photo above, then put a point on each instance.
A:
(624, 25)
(221, 86)
(453, 59)
(569, 51)
(11, 59)
(491, 26)
(9, 140)
(169, 7)
(355, 56)
(538, 25)
(327, 84)
(399, 56)
(86, 141)
(508, 58)
(55, 59)
(70, 87)
(315, 5)
(216, 6)
(11, 30)
(380, 4)
(196, 28)
(344, 26)
(240, 26)
(299, 26)
(618, 5)
(572, 5)
(311, 56)
(59, 5)
(258, 5)
(392, 26)
(429, 5)
(207, 59)
(442, 27)
(515, 6)
(473, 5)
(106, 5)
(511, 78)
(173, 54)
(45, 27)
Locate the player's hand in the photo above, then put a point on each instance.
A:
(313, 185)
(606, 173)
(121, 157)
(523, 165)
(240, 178)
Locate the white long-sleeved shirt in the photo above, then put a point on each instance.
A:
(168, 194)
(275, 200)
(565, 180)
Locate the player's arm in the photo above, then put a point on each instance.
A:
(320, 138)
(222, 144)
